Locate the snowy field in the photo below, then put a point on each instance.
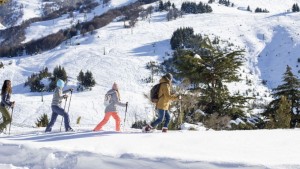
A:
(116, 54)
(84, 149)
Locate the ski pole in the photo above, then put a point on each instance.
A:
(70, 101)
(62, 118)
(12, 111)
(125, 115)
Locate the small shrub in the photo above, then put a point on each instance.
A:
(139, 124)
(241, 126)
(78, 120)
(42, 121)
(217, 122)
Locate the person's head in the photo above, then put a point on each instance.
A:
(60, 83)
(6, 87)
(115, 86)
(168, 76)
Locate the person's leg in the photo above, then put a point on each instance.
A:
(6, 117)
(167, 120)
(161, 114)
(62, 112)
(52, 121)
(117, 119)
(103, 122)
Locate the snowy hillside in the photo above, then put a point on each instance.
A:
(117, 54)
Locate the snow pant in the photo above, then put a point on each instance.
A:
(105, 120)
(56, 110)
(161, 115)
(5, 116)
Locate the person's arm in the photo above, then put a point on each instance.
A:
(3, 99)
(66, 91)
(59, 94)
(117, 101)
(166, 92)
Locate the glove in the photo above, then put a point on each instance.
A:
(126, 103)
(71, 90)
(65, 96)
(12, 104)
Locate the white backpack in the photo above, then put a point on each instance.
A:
(107, 99)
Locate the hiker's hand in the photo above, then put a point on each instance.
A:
(179, 97)
(71, 90)
(126, 103)
(12, 104)
(65, 96)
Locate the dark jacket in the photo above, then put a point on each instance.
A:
(5, 100)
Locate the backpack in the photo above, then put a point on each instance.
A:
(154, 93)
(107, 99)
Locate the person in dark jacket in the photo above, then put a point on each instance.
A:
(58, 96)
(111, 108)
(164, 99)
(6, 104)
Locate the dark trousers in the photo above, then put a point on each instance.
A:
(56, 110)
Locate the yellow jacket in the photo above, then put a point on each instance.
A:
(164, 95)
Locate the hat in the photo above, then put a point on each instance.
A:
(60, 83)
(169, 76)
(115, 86)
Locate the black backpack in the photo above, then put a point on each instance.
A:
(154, 93)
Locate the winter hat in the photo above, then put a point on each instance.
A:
(169, 76)
(115, 86)
(60, 83)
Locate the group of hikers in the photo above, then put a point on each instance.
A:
(162, 105)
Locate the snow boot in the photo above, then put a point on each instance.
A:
(164, 129)
(147, 128)
(70, 130)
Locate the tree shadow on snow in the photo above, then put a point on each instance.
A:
(160, 48)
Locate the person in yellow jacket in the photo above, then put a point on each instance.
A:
(163, 104)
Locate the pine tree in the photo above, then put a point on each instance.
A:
(161, 6)
(283, 115)
(89, 80)
(295, 8)
(210, 72)
(58, 73)
(80, 77)
(248, 8)
(85, 80)
(180, 37)
(290, 90)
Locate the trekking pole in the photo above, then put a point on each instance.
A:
(12, 111)
(125, 116)
(180, 111)
(62, 118)
(70, 101)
